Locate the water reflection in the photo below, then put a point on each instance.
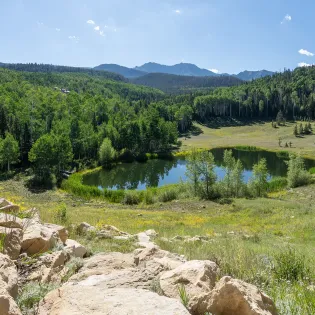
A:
(156, 173)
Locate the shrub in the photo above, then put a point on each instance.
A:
(31, 295)
(168, 195)
(277, 183)
(107, 153)
(297, 174)
(148, 197)
(131, 198)
(291, 266)
(74, 265)
(312, 170)
(61, 214)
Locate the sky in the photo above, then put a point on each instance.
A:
(222, 35)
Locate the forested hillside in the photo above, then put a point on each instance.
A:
(44, 68)
(52, 119)
(292, 92)
(178, 84)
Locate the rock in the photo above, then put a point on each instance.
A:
(10, 221)
(75, 249)
(84, 299)
(103, 264)
(8, 275)
(151, 233)
(144, 240)
(85, 228)
(39, 238)
(193, 239)
(7, 303)
(8, 207)
(233, 296)
(197, 276)
(12, 241)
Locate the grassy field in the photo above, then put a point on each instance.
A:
(260, 134)
(250, 239)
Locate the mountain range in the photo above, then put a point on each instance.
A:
(183, 69)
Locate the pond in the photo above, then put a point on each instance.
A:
(156, 173)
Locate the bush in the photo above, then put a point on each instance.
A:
(61, 214)
(277, 183)
(148, 197)
(31, 295)
(107, 153)
(74, 265)
(168, 195)
(312, 170)
(291, 266)
(131, 198)
(297, 174)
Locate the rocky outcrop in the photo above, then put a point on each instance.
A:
(85, 228)
(7, 303)
(232, 296)
(10, 221)
(197, 278)
(84, 299)
(8, 275)
(39, 238)
(75, 249)
(12, 241)
(8, 207)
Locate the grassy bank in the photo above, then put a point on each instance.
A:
(255, 134)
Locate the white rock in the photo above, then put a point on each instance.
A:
(8, 275)
(75, 249)
(10, 221)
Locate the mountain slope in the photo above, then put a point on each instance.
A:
(253, 75)
(186, 69)
(126, 72)
(177, 84)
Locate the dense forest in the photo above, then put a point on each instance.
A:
(52, 119)
(292, 92)
(179, 84)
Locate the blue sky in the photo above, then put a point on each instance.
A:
(227, 35)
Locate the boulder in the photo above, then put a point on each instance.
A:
(74, 300)
(7, 303)
(197, 277)
(8, 275)
(10, 221)
(12, 241)
(233, 296)
(75, 249)
(8, 207)
(85, 228)
(151, 233)
(39, 238)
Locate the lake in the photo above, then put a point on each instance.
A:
(155, 173)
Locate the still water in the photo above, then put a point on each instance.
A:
(155, 173)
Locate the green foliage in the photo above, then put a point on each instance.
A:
(73, 266)
(259, 181)
(183, 295)
(9, 151)
(167, 195)
(291, 266)
(297, 174)
(312, 170)
(131, 198)
(277, 184)
(280, 118)
(61, 215)
(31, 294)
(107, 153)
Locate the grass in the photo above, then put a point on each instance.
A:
(258, 135)
(250, 239)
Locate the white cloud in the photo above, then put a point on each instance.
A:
(90, 22)
(287, 18)
(305, 52)
(102, 33)
(304, 64)
(40, 23)
(97, 28)
(178, 11)
(74, 38)
(58, 29)
(214, 70)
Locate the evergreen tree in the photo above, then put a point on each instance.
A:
(295, 130)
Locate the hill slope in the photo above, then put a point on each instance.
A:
(126, 72)
(177, 84)
(186, 69)
(253, 75)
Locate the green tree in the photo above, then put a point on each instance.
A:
(229, 165)
(9, 151)
(280, 118)
(295, 130)
(106, 152)
(63, 151)
(237, 179)
(208, 177)
(43, 157)
(192, 170)
(301, 130)
(259, 182)
(297, 174)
